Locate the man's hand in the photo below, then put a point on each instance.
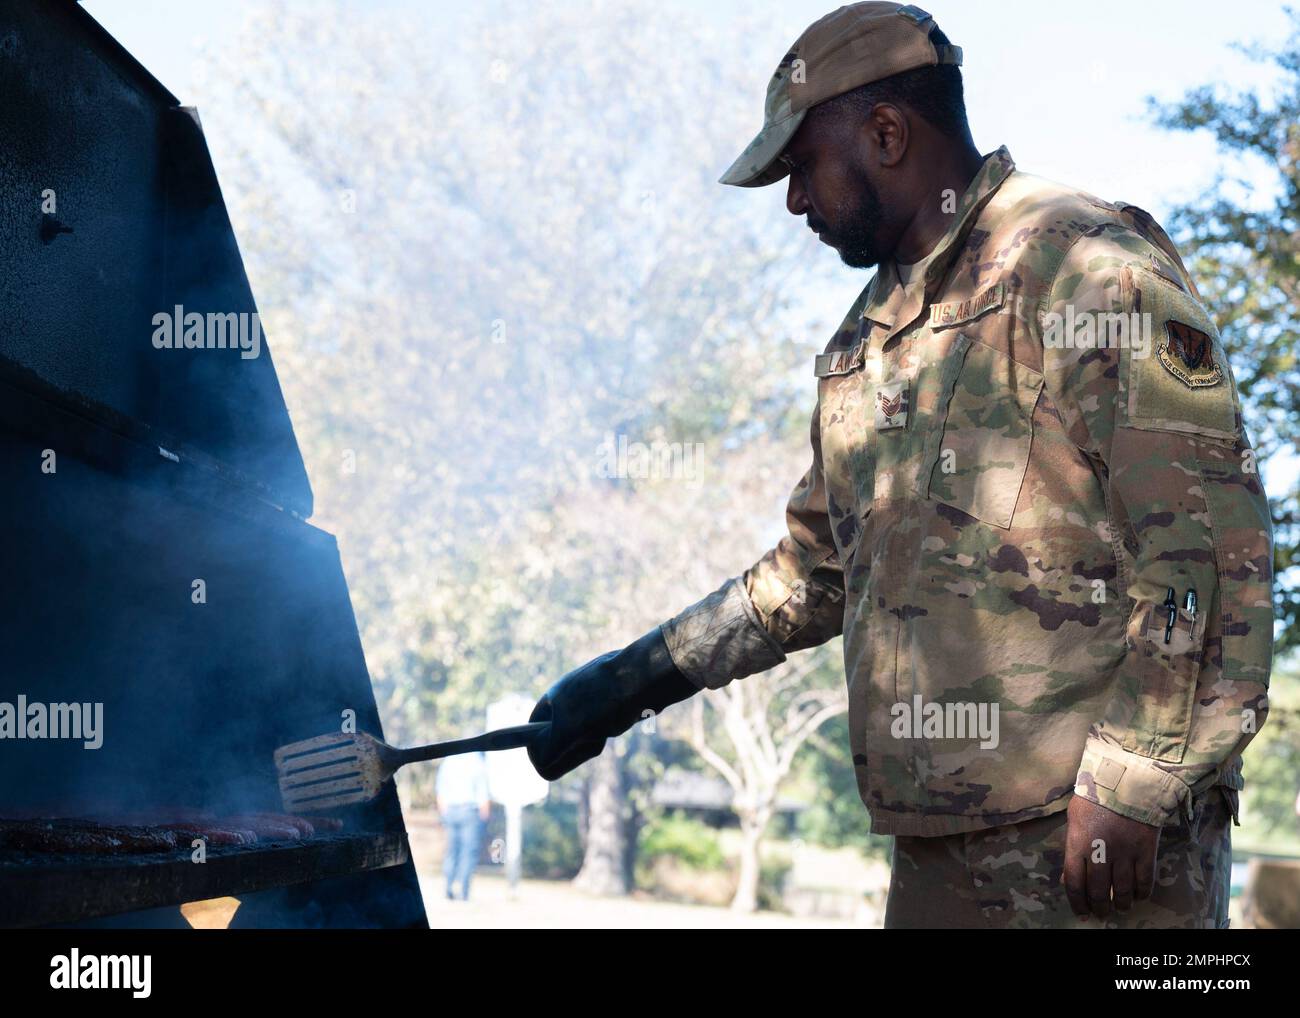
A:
(1105, 851)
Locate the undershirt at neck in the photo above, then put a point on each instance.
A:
(904, 271)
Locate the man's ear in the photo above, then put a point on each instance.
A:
(889, 133)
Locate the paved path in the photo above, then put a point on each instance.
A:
(543, 904)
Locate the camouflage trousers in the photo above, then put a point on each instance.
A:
(1011, 877)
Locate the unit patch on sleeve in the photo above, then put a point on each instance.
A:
(1178, 380)
(1188, 355)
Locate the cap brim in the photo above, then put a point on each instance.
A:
(759, 164)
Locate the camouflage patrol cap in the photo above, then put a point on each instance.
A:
(852, 46)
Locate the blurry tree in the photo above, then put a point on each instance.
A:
(1245, 256)
(750, 731)
(483, 245)
(678, 537)
(758, 725)
(836, 816)
(1273, 771)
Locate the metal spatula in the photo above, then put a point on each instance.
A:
(338, 770)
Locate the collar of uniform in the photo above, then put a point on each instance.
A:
(933, 267)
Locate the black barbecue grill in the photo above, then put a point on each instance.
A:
(130, 474)
(38, 889)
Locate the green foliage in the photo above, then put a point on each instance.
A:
(552, 847)
(1272, 771)
(773, 874)
(1245, 254)
(836, 816)
(689, 841)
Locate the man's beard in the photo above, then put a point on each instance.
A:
(857, 231)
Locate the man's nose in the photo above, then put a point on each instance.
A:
(796, 196)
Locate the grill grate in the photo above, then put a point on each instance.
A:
(38, 889)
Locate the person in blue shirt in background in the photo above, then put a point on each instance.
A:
(463, 802)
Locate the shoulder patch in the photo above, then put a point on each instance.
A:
(1178, 379)
(1188, 354)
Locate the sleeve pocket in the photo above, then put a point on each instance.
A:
(1168, 683)
(1243, 557)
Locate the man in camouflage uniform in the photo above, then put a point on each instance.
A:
(1032, 512)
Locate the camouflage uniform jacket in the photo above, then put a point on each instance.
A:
(997, 505)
